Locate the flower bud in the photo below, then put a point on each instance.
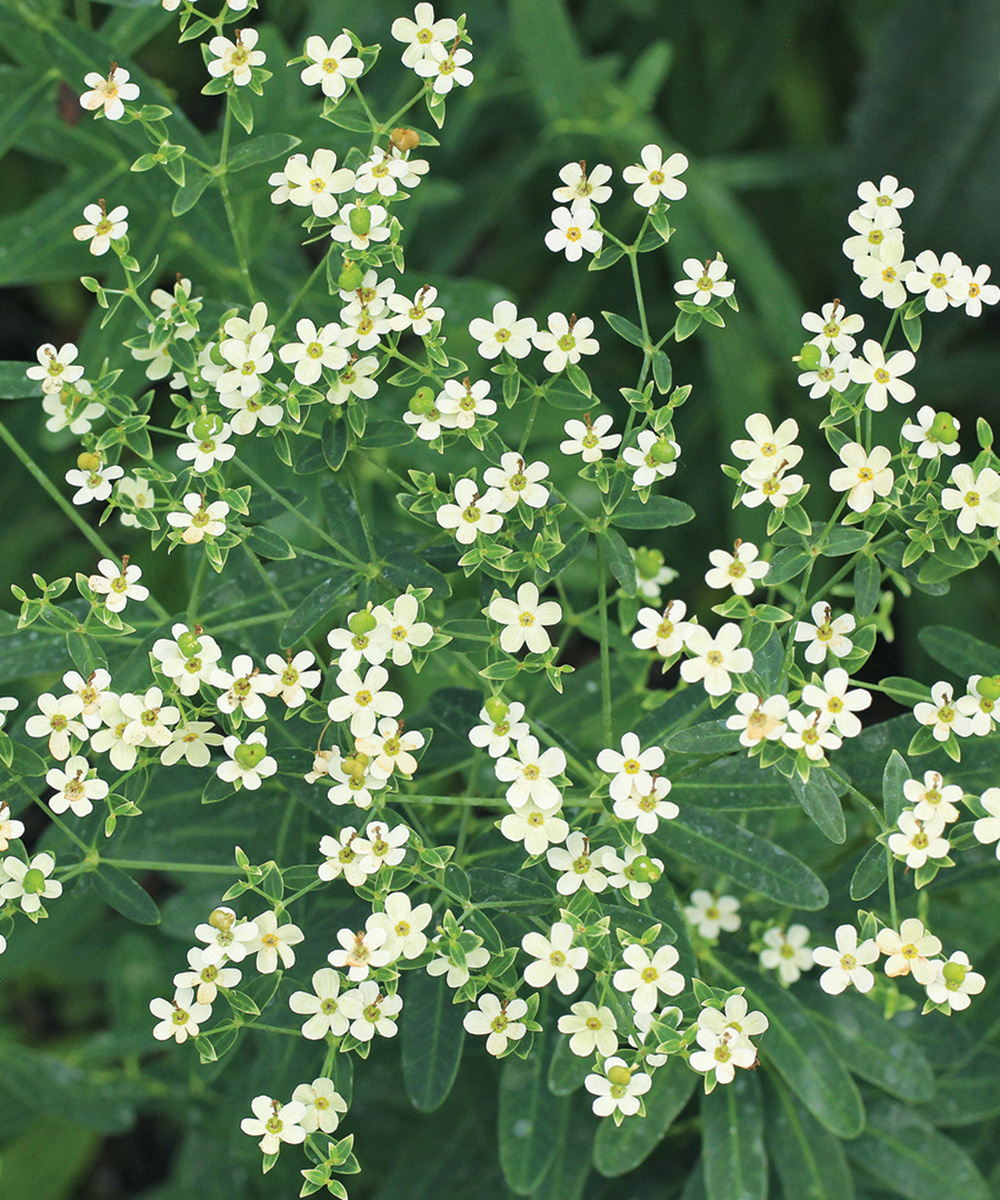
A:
(88, 462)
(404, 139)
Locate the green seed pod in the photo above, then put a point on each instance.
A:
(360, 220)
(222, 919)
(249, 754)
(809, 357)
(362, 622)
(189, 644)
(648, 563)
(989, 687)
(620, 1076)
(943, 429)
(88, 462)
(422, 401)
(496, 710)
(954, 974)
(33, 882)
(644, 870)
(662, 451)
(207, 426)
(351, 276)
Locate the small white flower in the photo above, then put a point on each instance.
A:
(73, 790)
(515, 480)
(535, 827)
(909, 951)
(382, 846)
(179, 1018)
(422, 33)
(955, 982)
(710, 914)
(249, 763)
(205, 976)
(976, 498)
(381, 172)
(734, 1022)
(872, 234)
(973, 290)
(331, 66)
(294, 677)
(495, 736)
(556, 958)
(935, 280)
(321, 1006)
(848, 964)
(650, 572)
(883, 275)
(199, 520)
(236, 58)
(565, 341)
(883, 376)
(226, 938)
(833, 328)
(371, 1011)
(524, 620)
(29, 882)
(323, 1104)
(204, 453)
(738, 571)
(825, 633)
(654, 457)
(835, 375)
(530, 774)
(572, 232)
(343, 858)
(420, 315)
(57, 721)
(361, 951)
(364, 700)
(456, 974)
(274, 942)
(863, 475)
(926, 433)
(579, 865)
(581, 189)
(767, 450)
(404, 926)
(358, 225)
(108, 93)
(102, 227)
(647, 975)
(68, 408)
(932, 799)
(402, 629)
(888, 194)
(942, 714)
(499, 1023)
(705, 280)
(987, 829)
(316, 349)
(590, 1028)
(775, 490)
(917, 841)
(9, 828)
(721, 1055)
(372, 644)
(56, 367)
(93, 484)
(618, 1089)
(445, 67)
(786, 952)
(635, 873)
(713, 658)
(471, 513)
(191, 741)
(656, 179)
(589, 438)
(462, 403)
(647, 809)
(272, 1122)
(665, 632)
(759, 718)
(506, 331)
(631, 769)
(191, 666)
(247, 361)
(811, 732)
(118, 586)
(837, 702)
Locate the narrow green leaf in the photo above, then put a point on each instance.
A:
(502, 889)
(86, 653)
(867, 585)
(570, 1166)
(431, 1040)
(906, 691)
(619, 560)
(713, 841)
(960, 652)
(567, 1070)
(527, 1115)
(388, 433)
(870, 873)
(906, 1153)
(844, 539)
(821, 803)
(809, 1159)
(550, 54)
(261, 149)
(625, 329)
(14, 384)
(334, 443)
(786, 564)
(969, 1093)
(314, 608)
(189, 195)
(403, 567)
(733, 1141)
(268, 544)
(663, 372)
(894, 775)
(710, 737)
(125, 895)
(658, 512)
(620, 1149)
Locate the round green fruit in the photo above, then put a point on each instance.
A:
(644, 870)
(619, 1076)
(351, 277)
(496, 710)
(189, 644)
(810, 357)
(662, 451)
(362, 622)
(33, 882)
(421, 402)
(943, 429)
(88, 462)
(249, 754)
(207, 426)
(360, 220)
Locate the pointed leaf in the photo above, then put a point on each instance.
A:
(809, 1159)
(431, 1040)
(622, 1148)
(125, 895)
(821, 803)
(733, 1141)
(527, 1114)
(658, 512)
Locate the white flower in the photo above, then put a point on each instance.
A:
(909, 951)
(883, 376)
(321, 1006)
(499, 1023)
(935, 280)
(506, 331)
(73, 790)
(734, 1023)
(206, 976)
(738, 571)
(420, 315)
(768, 449)
(589, 439)
(9, 828)
(445, 67)
(556, 958)
(236, 58)
(579, 189)
(456, 974)
(776, 490)
(56, 367)
(179, 1018)
(330, 66)
(316, 349)
(848, 964)
(226, 937)
(245, 688)
(462, 402)
(648, 808)
(636, 872)
(102, 227)
(361, 951)
(721, 1055)
(713, 658)
(249, 763)
(382, 173)
(942, 714)
(632, 769)
(199, 520)
(110, 740)
(579, 865)
(882, 276)
(29, 882)
(524, 620)
(108, 93)
(314, 183)
(825, 633)
(343, 858)
(471, 513)
(811, 732)
(535, 827)
(917, 841)
(654, 457)
(955, 982)
(932, 799)
(371, 644)
(248, 361)
(972, 290)
(429, 421)
(93, 484)
(647, 975)
(835, 375)
(572, 232)
(711, 914)
(928, 431)
(590, 1028)
(355, 380)
(382, 846)
(189, 662)
(705, 280)
(371, 1011)
(888, 194)
(650, 572)
(323, 1104)
(516, 480)
(422, 33)
(495, 735)
(656, 178)
(404, 925)
(293, 677)
(530, 775)
(665, 632)
(786, 952)
(358, 225)
(273, 1122)
(758, 718)
(618, 1089)
(68, 408)
(402, 628)
(364, 700)
(274, 942)
(863, 476)
(202, 452)
(565, 341)
(872, 234)
(833, 328)
(91, 691)
(837, 702)
(987, 829)
(975, 497)
(57, 721)
(191, 742)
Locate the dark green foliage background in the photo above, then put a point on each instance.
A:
(782, 108)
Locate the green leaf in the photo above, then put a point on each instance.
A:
(261, 149)
(821, 803)
(800, 1052)
(334, 443)
(14, 384)
(786, 564)
(710, 737)
(619, 560)
(527, 1114)
(567, 1070)
(844, 539)
(620, 1149)
(713, 841)
(431, 1041)
(502, 889)
(268, 544)
(663, 372)
(403, 567)
(867, 585)
(86, 653)
(733, 1141)
(125, 895)
(894, 775)
(570, 1166)
(870, 873)
(960, 652)
(625, 329)
(550, 56)
(658, 512)
(809, 1159)
(315, 608)
(968, 1093)
(872, 1047)
(905, 691)
(189, 195)
(63, 1173)
(906, 1153)
(388, 433)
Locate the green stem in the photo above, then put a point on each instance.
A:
(353, 484)
(300, 294)
(228, 202)
(602, 600)
(131, 864)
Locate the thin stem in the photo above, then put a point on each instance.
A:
(228, 202)
(132, 864)
(602, 600)
(362, 516)
(300, 294)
